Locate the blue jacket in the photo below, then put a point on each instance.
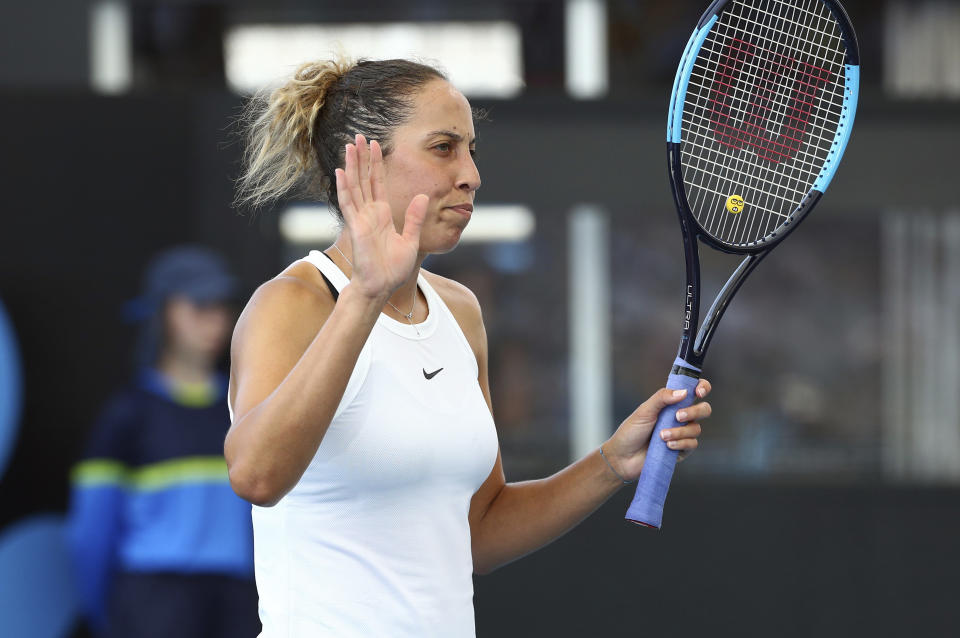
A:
(152, 494)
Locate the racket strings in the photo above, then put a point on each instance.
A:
(816, 35)
(744, 89)
(791, 189)
(756, 85)
(807, 160)
(762, 109)
(754, 89)
(807, 80)
(766, 81)
(797, 110)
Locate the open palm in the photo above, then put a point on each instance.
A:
(382, 257)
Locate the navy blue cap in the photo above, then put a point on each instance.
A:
(194, 272)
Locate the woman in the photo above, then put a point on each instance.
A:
(362, 427)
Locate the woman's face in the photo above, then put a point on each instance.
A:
(432, 153)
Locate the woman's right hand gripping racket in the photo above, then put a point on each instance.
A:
(761, 111)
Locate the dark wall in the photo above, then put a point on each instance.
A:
(92, 188)
(44, 45)
(740, 560)
(556, 152)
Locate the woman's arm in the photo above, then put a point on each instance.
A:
(508, 521)
(294, 350)
(292, 355)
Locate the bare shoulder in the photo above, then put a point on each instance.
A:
(274, 330)
(297, 288)
(293, 304)
(463, 304)
(458, 297)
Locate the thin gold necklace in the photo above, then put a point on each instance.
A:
(407, 315)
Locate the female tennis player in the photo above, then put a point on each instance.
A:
(362, 429)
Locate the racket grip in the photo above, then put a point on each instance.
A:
(647, 506)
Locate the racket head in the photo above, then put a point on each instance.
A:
(762, 108)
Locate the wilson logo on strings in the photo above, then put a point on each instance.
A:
(741, 123)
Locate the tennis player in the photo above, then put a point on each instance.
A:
(362, 428)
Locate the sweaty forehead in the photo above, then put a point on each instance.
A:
(439, 106)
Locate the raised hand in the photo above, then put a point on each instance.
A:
(382, 258)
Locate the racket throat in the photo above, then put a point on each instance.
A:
(719, 306)
(691, 303)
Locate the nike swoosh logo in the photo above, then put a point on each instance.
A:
(430, 375)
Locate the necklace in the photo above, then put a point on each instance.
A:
(407, 315)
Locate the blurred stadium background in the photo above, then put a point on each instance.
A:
(824, 500)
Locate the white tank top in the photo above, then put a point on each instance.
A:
(374, 539)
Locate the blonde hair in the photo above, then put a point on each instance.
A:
(295, 134)
(278, 156)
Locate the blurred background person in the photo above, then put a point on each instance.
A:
(161, 544)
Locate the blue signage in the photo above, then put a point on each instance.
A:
(11, 388)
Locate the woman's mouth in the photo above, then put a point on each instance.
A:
(464, 209)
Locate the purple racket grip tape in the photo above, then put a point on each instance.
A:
(647, 506)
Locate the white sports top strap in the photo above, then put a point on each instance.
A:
(421, 331)
(329, 269)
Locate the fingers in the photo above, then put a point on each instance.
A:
(413, 219)
(377, 186)
(703, 388)
(658, 401)
(672, 396)
(696, 412)
(352, 177)
(363, 167)
(664, 397)
(343, 196)
(363, 173)
(682, 438)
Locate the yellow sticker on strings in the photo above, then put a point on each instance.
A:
(735, 204)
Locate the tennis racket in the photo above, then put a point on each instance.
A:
(762, 107)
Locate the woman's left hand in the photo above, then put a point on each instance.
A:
(626, 450)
